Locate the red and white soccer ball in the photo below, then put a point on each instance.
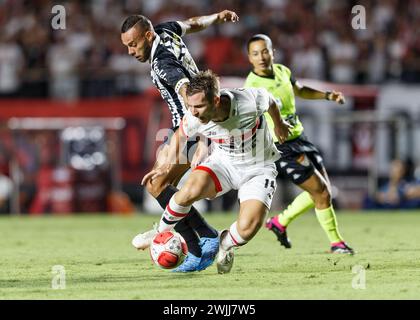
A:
(168, 249)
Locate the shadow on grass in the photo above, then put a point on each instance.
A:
(157, 276)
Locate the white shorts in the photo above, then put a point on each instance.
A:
(256, 182)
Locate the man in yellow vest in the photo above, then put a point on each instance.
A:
(301, 162)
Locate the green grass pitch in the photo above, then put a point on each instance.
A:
(100, 263)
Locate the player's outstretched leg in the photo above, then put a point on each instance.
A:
(328, 221)
(229, 239)
(198, 186)
(173, 214)
(250, 220)
(197, 233)
(319, 189)
(143, 240)
(190, 228)
(279, 230)
(278, 224)
(183, 227)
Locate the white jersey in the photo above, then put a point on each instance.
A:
(243, 138)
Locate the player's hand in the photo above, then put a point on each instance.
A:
(336, 96)
(282, 132)
(226, 16)
(155, 173)
(200, 154)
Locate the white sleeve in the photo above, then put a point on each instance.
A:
(262, 99)
(189, 125)
(180, 83)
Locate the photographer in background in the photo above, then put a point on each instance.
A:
(399, 192)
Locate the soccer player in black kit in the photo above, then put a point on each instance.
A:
(171, 68)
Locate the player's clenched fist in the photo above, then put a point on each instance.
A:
(282, 132)
(227, 15)
(335, 96)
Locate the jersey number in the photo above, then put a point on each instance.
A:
(269, 183)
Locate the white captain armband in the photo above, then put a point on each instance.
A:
(180, 83)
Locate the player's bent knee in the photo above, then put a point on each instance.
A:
(189, 194)
(326, 195)
(247, 228)
(323, 197)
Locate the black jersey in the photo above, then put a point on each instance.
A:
(171, 66)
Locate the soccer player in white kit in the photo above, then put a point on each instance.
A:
(242, 157)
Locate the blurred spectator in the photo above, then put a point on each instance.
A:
(6, 184)
(400, 191)
(129, 74)
(11, 66)
(413, 190)
(413, 194)
(343, 54)
(63, 62)
(308, 62)
(315, 37)
(376, 68)
(6, 187)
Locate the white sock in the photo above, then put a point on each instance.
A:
(232, 238)
(172, 214)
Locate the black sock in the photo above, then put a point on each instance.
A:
(166, 195)
(190, 237)
(197, 222)
(182, 227)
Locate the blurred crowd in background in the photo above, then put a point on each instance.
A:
(400, 191)
(313, 37)
(86, 59)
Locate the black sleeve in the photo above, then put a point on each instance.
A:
(172, 26)
(171, 71)
(292, 80)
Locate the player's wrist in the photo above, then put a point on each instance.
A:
(217, 17)
(328, 95)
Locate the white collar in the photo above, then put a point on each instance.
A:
(154, 46)
(232, 101)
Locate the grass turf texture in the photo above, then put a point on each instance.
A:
(101, 264)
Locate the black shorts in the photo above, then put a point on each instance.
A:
(288, 165)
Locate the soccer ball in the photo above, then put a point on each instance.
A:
(168, 249)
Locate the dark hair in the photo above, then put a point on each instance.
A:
(206, 81)
(143, 22)
(258, 37)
